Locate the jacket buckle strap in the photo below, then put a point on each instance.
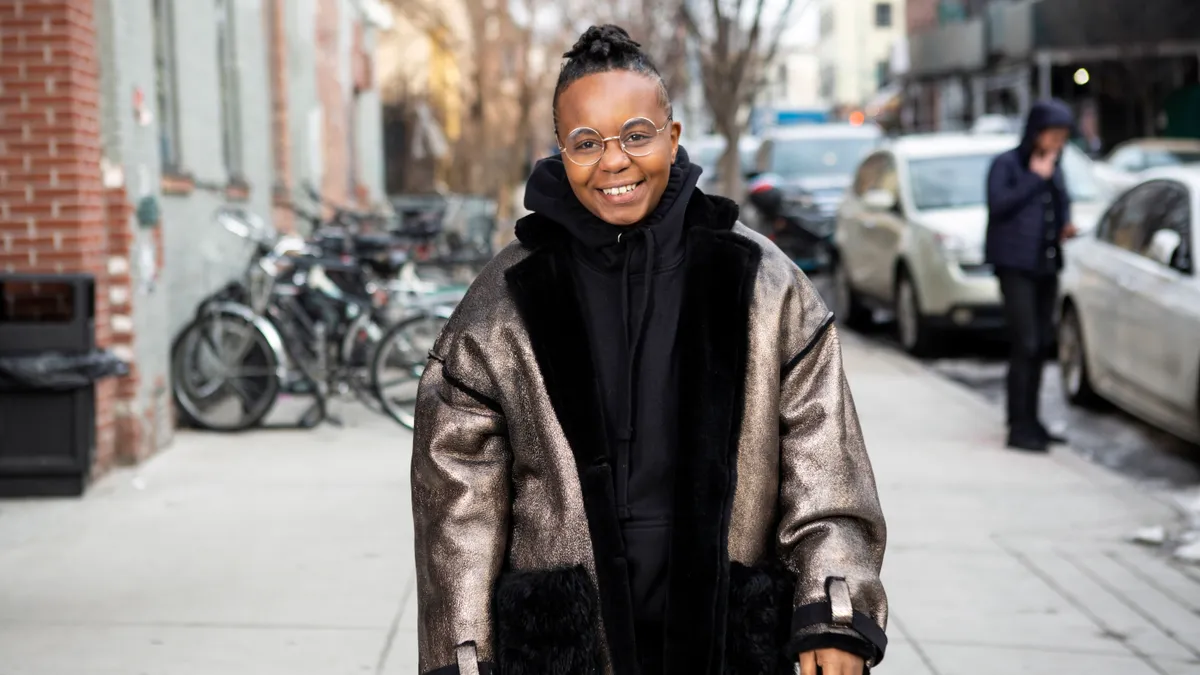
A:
(840, 606)
(468, 663)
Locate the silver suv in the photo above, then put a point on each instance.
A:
(910, 234)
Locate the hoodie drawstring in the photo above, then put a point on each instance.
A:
(633, 333)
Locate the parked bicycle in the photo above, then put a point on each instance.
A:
(307, 318)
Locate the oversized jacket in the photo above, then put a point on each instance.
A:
(777, 531)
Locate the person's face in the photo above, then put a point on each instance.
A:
(1052, 140)
(605, 102)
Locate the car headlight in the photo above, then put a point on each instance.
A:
(959, 250)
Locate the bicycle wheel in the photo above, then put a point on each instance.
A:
(399, 363)
(224, 373)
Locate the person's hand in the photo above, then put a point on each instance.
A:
(831, 661)
(1069, 231)
(1043, 163)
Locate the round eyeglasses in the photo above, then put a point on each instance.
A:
(585, 146)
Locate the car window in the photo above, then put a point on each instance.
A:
(1126, 223)
(1170, 209)
(1128, 159)
(1155, 158)
(819, 156)
(762, 158)
(870, 173)
(747, 156)
(889, 179)
(708, 156)
(949, 182)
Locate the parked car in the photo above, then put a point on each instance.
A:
(1125, 164)
(997, 124)
(706, 152)
(802, 173)
(910, 234)
(1129, 328)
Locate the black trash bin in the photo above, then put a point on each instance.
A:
(48, 366)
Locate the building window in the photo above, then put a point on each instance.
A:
(828, 82)
(826, 20)
(164, 73)
(227, 72)
(881, 73)
(883, 15)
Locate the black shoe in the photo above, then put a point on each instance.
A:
(1028, 443)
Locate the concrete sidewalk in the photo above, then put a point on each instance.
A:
(290, 553)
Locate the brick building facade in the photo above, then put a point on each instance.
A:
(124, 124)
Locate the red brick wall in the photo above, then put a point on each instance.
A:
(54, 213)
(281, 137)
(335, 184)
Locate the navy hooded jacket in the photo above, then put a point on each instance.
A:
(1015, 196)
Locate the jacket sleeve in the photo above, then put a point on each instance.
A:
(461, 503)
(1009, 187)
(832, 532)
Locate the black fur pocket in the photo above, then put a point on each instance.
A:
(547, 623)
(759, 622)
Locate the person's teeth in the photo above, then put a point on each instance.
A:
(620, 190)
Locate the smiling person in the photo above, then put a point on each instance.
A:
(636, 452)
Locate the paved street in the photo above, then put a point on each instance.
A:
(290, 553)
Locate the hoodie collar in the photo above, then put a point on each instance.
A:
(603, 245)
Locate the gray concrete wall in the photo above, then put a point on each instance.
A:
(370, 144)
(370, 132)
(254, 67)
(126, 42)
(200, 255)
(303, 104)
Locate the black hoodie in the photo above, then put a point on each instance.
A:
(632, 317)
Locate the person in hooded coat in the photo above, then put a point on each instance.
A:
(1029, 212)
(635, 449)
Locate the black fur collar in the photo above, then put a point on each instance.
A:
(714, 339)
(705, 211)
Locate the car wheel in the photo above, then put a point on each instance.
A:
(850, 310)
(916, 336)
(1072, 362)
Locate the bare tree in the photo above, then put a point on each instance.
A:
(655, 25)
(516, 47)
(737, 40)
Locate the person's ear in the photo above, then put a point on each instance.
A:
(676, 132)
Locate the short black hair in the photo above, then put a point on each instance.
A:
(602, 49)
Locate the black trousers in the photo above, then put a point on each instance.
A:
(1029, 302)
(649, 638)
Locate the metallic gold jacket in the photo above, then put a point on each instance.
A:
(777, 534)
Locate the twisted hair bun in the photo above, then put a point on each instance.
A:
(603, 49)
(601, 43)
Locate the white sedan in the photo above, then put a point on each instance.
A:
(910, 234)
(1129, 328)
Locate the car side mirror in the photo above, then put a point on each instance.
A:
(1164, 248)
(879, 200)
